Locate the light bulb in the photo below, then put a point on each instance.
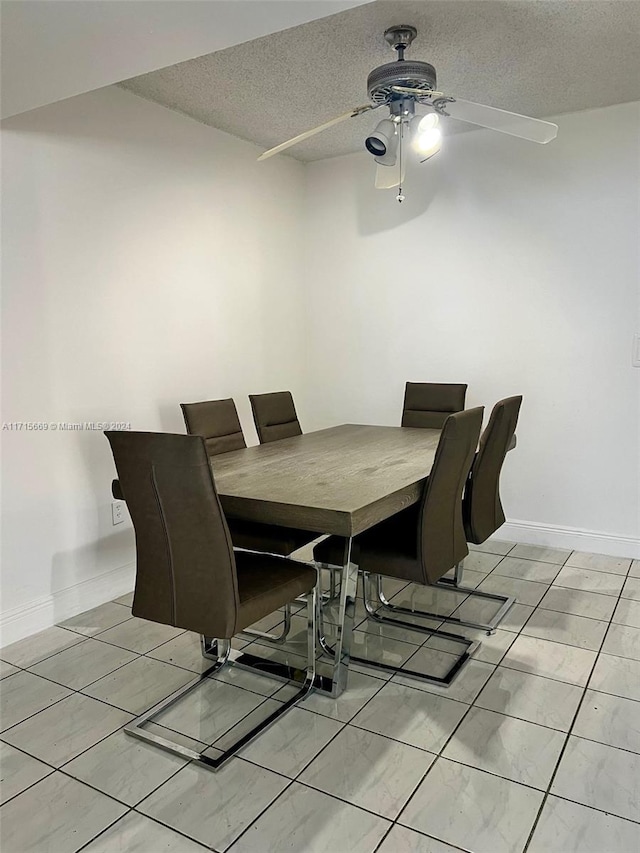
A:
(428, 142)
(428, 122)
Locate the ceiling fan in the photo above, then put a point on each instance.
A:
(401, 86)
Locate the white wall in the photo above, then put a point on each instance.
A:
(510, 266)
(147, 260)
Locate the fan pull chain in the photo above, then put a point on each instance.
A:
(400, 195)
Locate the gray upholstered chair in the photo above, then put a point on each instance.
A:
(218, 423)
(187, 574)
(423, 542)
(483, 514)
(427, 405)
(275, 416)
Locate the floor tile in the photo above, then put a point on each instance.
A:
(463, 806)
(530, 697)
(25, 694)
(7, 669)
(599, 562)
(359, 690)
(601, 777)
(256, 682)
(566, 827)
(66, 729)
(541, 553)
(403, 840)
(99, 619)
(124, 767)
(291, 742)
(394, 632)
(479, 561)
(616, 675)
(631, 589)
(39, 646)
(83, 663)
(525, 592)
(528, 570)
(609, 719)
(589, 580)
(493, 546)
(18, 771)
(550, 660)
(579, 603)
(135, 833)
(139, 685)
(382, 649)
(492, 648)
(566, 628)
(627, 613)
(126, 599)
(368, 770)
(182, 651)
(478, 610)
(465, 687)
(139, 635)
(634, 571)
(622, 641)
(517, 750)
(429, 599)
(412, 716)
(214, 808)
(58, 815)
(305, 819)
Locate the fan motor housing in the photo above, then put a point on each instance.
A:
(409, 72)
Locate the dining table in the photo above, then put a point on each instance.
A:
(337, 481)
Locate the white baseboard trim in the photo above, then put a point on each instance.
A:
(44, 612)
(573, 538)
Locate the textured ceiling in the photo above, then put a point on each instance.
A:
(536, 57)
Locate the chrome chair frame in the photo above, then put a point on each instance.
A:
(218, 651)
(470, 646)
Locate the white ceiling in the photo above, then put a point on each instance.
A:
(537, 57)
(54, 49)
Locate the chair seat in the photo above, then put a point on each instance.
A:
(270, 538)
(266, 583)
(389, 548)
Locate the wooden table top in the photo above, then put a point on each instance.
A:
(341, 480)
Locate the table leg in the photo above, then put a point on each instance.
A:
(344, 628)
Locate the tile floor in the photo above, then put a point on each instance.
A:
(535, 747)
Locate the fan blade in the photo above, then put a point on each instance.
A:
(389, 176)
(308, 133)
(533, 129)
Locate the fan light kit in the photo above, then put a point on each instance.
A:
(404, 85)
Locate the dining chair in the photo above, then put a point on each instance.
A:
(428, 404)
(423, 542)
(217, 422)
(482, 510)
(275, 416)
(188, 574)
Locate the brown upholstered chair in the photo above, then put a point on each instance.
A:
(187, 574)
(427, 405)
(483, 514)
(275, 416)
(218, 423)
(421, 543)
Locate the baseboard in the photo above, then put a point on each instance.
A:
(63, 604)
(574, 538)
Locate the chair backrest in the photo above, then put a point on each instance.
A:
(185, 568)
(217, 422)
(428, 404)
(482, 508)
(275, 416)
(441, 539)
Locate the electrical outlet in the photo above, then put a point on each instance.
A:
(117, 512)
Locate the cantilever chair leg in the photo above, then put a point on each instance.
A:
(454, 584)
(274, 638)
(218, 651)
(469, 646)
